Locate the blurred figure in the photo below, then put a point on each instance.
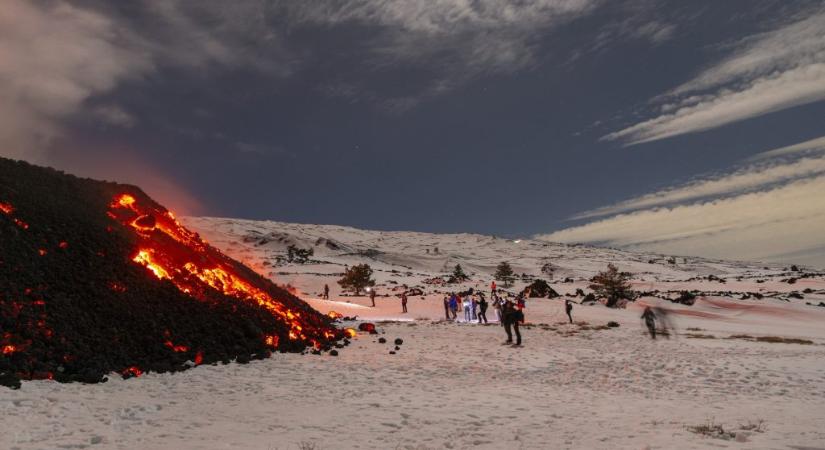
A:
(482, 309)
(512, 317)
(568, 307)
(666, 328)
(454, 306)
(650, 321)
(326, 292)
(520, 305)
(372, 297)
(497, 306)
(474, 308)
(403, 302)
(466, 305)
(446, 307)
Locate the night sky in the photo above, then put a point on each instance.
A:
(642, 124)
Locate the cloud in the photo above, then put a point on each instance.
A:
(767, 72)
(53, 58)
(811, 146)
(748, 178)
(456, 40)
(767, 226)
(771, 210)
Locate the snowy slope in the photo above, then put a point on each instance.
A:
(410, 257)
(452, 385)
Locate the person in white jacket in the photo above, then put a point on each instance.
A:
(467, 304)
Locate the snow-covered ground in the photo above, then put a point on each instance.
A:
(453, 385)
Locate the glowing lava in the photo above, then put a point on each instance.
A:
(171, 252)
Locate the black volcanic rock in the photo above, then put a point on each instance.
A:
(75, 305)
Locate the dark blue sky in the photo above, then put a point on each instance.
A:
(493, 116)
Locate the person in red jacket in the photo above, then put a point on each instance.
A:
(493, 287)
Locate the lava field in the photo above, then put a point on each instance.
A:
(97, 278)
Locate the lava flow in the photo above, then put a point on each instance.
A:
(171, 252)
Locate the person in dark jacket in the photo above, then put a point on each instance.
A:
(568, 307)
(482, 309)
(446, 307)
(650, 321)
(404, 303)
(512, 317)
(372, 297)
(326, 292)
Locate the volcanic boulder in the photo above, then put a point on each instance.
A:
(96, 277)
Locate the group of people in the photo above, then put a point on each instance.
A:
(509, 311)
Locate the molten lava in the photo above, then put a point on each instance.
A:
(171, 252)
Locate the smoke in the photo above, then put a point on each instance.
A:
(54, 58)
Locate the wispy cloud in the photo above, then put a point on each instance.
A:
(766, 225)
(765, 73)
(771, 210)
(748, 178)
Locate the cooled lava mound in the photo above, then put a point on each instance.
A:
(96, 277)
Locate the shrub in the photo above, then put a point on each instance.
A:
(612, 285)
(357, 278)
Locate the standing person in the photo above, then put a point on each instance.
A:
(512, 316)
(372, 297)
(326, 292)
(474, 306)
(497, 306)
(493, 288)
(650, 321)
(482, 309)
(403, 302)
(520, 305)
(454, 306)
(568, 307)
(466, 308)
(446, 307)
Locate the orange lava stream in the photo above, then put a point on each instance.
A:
(166, 250)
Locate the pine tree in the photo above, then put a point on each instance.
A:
(458, 275)
(612, 285)
(357, 278)
(504, 273)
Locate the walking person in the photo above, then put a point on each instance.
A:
(404, 303)
(512, 317)
(497, 306)
(372, 297)
(482, 309)
(326, 292)
(454, 307)
(568, 307)
(650, 321)
(446, 307)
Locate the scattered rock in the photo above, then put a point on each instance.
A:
(399, 341)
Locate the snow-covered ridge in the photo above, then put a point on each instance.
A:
(262, 243)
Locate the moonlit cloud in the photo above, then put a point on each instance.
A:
(771, 211)
(768, 72)
(748, 178)
(53, 59)
(766, 225)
